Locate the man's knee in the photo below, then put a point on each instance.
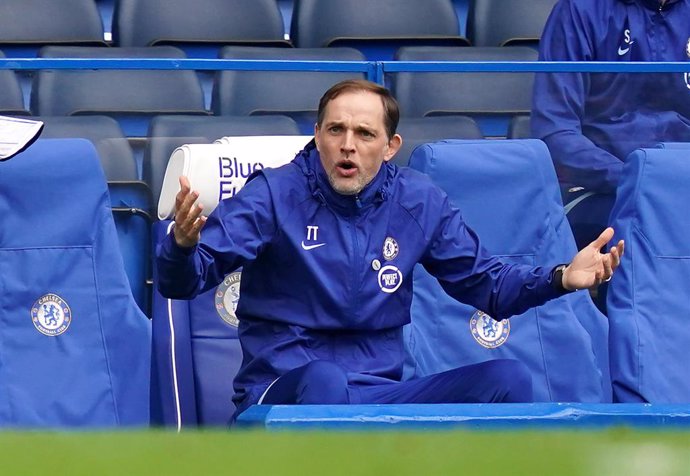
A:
(323, 382)
(514, 381)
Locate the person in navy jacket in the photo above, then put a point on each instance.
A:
(327, 245)
(592, 121)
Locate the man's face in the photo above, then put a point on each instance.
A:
(352, 140)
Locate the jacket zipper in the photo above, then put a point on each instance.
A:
(355, 261)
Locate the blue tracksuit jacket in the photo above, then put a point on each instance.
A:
(328, 276)
(591, 122)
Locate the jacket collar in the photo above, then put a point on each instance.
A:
(652, 4)
(309, 162)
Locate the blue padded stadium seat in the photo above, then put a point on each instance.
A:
(292, 93)
(27, 25)
(200, 27)
(419, 130)
(507, 22)
(196, 354)
(130, 198)
(508, 193)
(375, 27)
(130, 96)
(519, 127)
(196, 351)
(490, 98)
(75, 347)
(117, 158)
(11, 96)
(166, 133)
(648, 303)
(132, 207)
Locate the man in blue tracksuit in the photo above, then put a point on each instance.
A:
(327, 245)
(591, 122)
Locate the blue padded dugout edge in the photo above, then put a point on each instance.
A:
(466, 416)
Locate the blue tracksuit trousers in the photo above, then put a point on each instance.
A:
(325, 382)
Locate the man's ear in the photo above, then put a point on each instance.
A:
(393, 146)
(316, 136)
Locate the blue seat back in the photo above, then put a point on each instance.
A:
(75, 347)
(132, 207)
(419, 130)
(492, 99)
(508, 193)
(292, 93)
(507, 22)
(11, 95)
(648, 303)
(200, 28)
(26, 25)
(196, 354)
(520, 127)
(130, 96)
(130, 199)
(375, 27)
(114, 151)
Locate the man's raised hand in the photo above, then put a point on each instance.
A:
(188, 218)
(591, 267)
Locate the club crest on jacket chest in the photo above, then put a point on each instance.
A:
(390, 248)
(487, 331)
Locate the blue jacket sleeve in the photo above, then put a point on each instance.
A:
(470, 275)
(559, 103)
(234, 234)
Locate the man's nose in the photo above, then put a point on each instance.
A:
(348, 143)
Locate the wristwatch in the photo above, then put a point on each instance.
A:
(557, 279)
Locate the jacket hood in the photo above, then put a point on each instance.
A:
(309, 162)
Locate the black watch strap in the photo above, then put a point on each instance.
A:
(557, 279)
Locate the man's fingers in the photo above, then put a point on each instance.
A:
(184, 187)
(183, 193)
(615, 253)
(188, 226)
(198, 225)
(602, 239)
(184, 183)
(188, 218)
(184, 207)
(193, 214)
(608, 266)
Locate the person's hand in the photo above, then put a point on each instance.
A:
(188, 218)
(590, 267)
